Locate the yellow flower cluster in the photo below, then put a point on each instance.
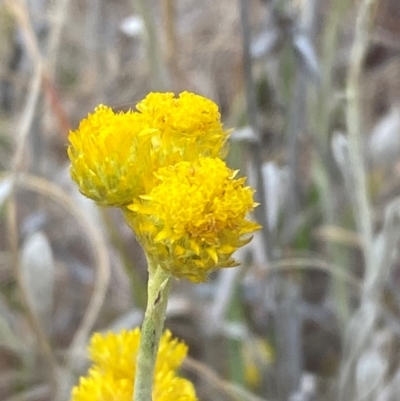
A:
(186, 127)
(112, 374)
(114, 155)
(162, 164)
(194, 218)
(103, 154)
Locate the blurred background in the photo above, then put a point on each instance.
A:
(312, 91)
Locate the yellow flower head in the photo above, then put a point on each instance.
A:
(195, 218)
(188, 126)
(114, 155)
(111, 378)
(104, 158)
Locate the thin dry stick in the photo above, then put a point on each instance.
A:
(251, 105)
(44, 346)
(323, 116)
(329, 52)
(59, 15)
(361, 326)
(338, 235)
(312, 264)
(234, 391)
(298, 121)
(99, 248)
(18, 8)
(361, 207)
(55, 110)
(155, 61)
(170, 38)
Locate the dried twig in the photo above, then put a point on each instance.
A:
(360, 330)
(154, 58)
(18, 8)
(234, 391)
(251, 106)
(362, 207)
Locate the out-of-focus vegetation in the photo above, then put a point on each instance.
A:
(312, 88)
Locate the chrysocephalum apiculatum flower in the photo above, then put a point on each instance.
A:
(114, 155)
(187, 127)
(194, 218)
(104, 156)
(112, 374)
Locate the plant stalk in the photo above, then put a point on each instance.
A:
(362, 206)
(157, 298)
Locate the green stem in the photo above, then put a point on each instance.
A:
(157, 299)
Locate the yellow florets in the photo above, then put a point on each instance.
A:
(104, 156)
(114, 155)
(161, 164)
(112, 375)
(194, 218)
(188, 125)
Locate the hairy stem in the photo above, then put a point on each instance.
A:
(157, 299)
